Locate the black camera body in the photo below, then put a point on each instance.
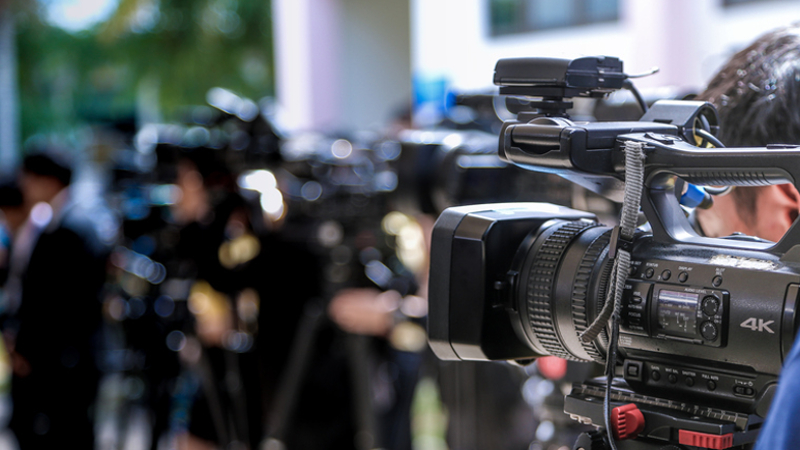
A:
(705, 323)
(520, 281)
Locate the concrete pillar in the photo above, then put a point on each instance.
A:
(306, 41)
(340, 64)
(376, 61)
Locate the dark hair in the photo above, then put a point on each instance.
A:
(757, 92)
(49, 164)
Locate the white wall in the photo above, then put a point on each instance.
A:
(687, 39)
(341, 64)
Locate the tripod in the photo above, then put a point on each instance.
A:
(290, 386)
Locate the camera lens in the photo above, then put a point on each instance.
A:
(563, 260)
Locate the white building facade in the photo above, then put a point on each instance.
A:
(355, 63)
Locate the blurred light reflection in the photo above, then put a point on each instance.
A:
(139, 265)
(176, 340)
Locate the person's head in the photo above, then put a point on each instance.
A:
(201, 174)
(757, 94)
(44, 174)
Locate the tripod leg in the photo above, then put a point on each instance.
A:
(358, 356)
(212, 395)
(290, 384)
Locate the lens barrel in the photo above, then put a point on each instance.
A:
(565, 260)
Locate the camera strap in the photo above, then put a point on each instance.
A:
(619, 253)
(621, 238)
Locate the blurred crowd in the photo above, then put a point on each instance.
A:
(216, 283)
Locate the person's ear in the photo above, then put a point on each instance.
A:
(776, 209)
(791, 200)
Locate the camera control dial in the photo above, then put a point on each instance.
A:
(709, 331)
(710, 305)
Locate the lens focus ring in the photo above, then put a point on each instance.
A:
(543, 270)
(581, 289)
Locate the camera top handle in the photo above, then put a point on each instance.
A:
(667, 158)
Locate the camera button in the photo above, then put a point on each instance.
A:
(672, 378)
(743, 390)
(689, 381)
(716, 281)
(711, 385)
(683, 276)
(633, 370)
(649, 272)
(655, 375)
(666, 274)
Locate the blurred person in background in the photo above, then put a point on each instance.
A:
(16, 239)
(210, 214)
(249, 290)
(395, 321)
(17, 236)
(55, 375)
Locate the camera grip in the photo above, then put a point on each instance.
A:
(756, 166)
(668, 157)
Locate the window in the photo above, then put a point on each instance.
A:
(520, 16)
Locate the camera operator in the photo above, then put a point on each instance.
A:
(757, 94)
(393, 320)
(55, 374)
(210, 214)
(250, 286)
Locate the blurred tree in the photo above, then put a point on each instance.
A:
(166, 51)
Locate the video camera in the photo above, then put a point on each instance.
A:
(704, 323)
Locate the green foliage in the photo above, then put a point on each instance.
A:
(182, 48)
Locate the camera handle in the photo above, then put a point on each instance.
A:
(669, 157)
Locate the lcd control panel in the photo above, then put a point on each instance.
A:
(674, 312)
